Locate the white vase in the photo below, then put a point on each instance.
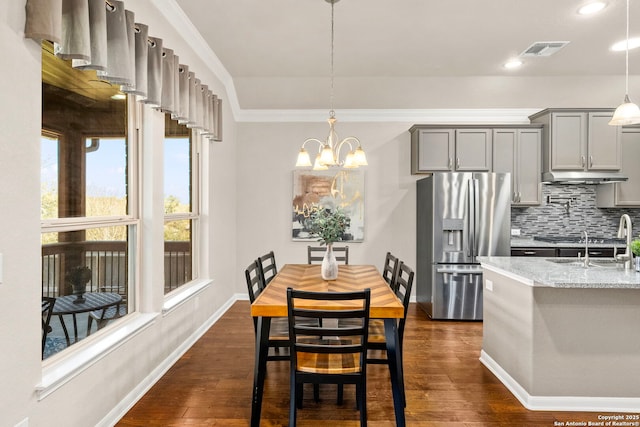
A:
(329, 268)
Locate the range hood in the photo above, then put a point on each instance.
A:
(573, 177)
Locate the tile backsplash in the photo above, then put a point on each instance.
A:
(553, 219)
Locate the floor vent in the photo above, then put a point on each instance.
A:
(543, 48)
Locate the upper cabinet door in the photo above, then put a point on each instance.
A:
(568, 141)
(528, 166)
(519, 152)
(473, 149)
(604, 143)
(504, 156)
(432, 150)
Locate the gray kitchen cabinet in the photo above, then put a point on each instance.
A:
(579, 140)
(447, 149)
(624, 194)
(519, 152)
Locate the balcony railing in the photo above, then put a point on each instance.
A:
(108, 262)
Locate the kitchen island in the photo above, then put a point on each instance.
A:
(561, 336)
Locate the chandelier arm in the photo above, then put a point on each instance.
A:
(353, 138)
(316, 140)
(339, 146)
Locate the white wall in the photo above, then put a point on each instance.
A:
(99, 391)
(266, 157)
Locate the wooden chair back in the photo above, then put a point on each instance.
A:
(268, 268)
(390, 270)
(315, 254)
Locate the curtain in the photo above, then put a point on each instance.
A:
(97, 38)
(102, 35)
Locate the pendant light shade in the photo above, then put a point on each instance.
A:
(627, 113)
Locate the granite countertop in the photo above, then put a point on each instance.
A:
(541, 272)
(524, 242)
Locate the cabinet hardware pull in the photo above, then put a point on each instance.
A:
(530, 252)
(590, 161)
(450, 163)
(519, 197)
(582, 160)
(457, 162)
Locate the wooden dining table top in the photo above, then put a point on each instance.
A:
(272, 301)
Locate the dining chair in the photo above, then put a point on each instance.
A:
(315, 254)
(326, 352)
(390, 269)
(279, 331)
(268, 268)
(47, 309)
(102, 317)
(377, 341)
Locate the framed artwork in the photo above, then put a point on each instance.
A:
(330, 189)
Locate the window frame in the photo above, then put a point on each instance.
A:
(194, 214)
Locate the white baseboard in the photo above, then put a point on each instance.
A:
(559, 403)
(144, 386)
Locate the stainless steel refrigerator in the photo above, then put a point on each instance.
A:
(460, 216)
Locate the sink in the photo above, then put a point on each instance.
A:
(593, 262)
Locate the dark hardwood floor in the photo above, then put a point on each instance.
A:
(446, 385)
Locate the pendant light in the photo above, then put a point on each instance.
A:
(329, 150)
(627, 113)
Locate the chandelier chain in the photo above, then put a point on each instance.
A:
(331, 112)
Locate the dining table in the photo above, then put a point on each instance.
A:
(90, 301)
(272, 302)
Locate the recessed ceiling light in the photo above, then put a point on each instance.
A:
(512, 64)
(621, 46)
(591, 8)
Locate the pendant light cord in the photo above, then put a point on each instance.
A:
(626, 73)
(332, 113)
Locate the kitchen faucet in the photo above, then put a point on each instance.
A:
(624, 230)
(586, 249)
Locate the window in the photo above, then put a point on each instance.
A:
(180, 204)
(88, 219)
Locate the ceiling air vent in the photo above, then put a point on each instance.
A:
(543, 48)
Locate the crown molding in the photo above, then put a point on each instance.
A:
(422, 116)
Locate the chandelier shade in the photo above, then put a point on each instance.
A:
(330, 151)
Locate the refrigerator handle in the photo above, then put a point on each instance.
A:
(476, 216)
(470, 219)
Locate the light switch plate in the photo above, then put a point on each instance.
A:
(489, 285)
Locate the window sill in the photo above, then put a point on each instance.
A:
(182, 294)
(59, 371)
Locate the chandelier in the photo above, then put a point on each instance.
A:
(329, 151)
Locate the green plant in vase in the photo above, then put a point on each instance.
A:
(635, 249)
(79, 277)
(328, 226)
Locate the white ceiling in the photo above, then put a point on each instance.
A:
(277, 51)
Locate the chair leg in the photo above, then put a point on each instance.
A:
(299, 395)
(293, 404)
(340, 394)
(316, 392)
(363, 404)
